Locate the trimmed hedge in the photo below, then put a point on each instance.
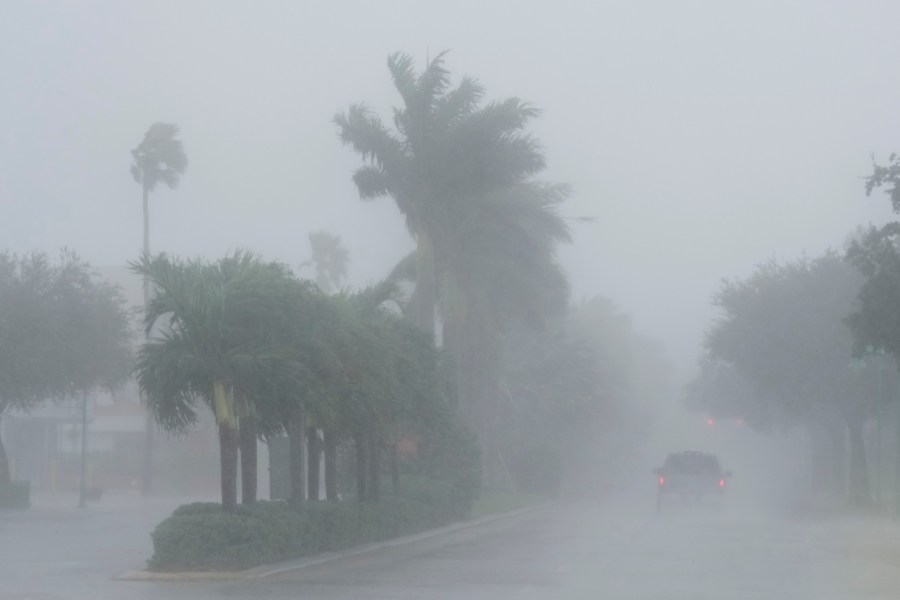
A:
(202, 537)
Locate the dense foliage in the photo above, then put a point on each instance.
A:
(269, 353)
(63, 332)
(463, 173)
(575, 389)
(204, 537)
(783, 354)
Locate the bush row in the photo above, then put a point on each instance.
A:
(202, 537)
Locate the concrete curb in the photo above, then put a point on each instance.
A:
(264, 571)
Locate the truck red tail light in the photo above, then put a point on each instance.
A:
(721, 483)
(662, 480)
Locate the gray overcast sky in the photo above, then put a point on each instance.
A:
(705, 137)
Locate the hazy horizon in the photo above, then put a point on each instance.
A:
(703, 138)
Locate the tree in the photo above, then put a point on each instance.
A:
(218, 342)
(160, 157)
(448, 149)
(577, 395)
(784, 329)
(462, 174)
(329, 260)
(62, 332)
(887, 177)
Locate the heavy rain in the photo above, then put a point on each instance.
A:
(470, 300)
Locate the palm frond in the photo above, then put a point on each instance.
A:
(160, 157)
(372, 182)
(403, 74)
(366, 133)
(458, 103)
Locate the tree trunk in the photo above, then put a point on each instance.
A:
(248, 459)
(860, 492)
(314, 456)
(330, 451)
(425, 293)
(838, 460)
(374, 464)
(149, 425)
(5, 477)
(228, 458)
(395, 468)
(295, 441)
(361, 467)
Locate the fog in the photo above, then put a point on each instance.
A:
(700, 140)
(703, 138)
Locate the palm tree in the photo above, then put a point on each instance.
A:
(448, 150)
(160, 157)
(462, 175)
(217, 342)
(329, 260)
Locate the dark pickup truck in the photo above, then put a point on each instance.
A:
(691, 476)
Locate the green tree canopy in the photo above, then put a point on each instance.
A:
(785, 330)
(63, 331)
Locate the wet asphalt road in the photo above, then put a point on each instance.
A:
(568, 550)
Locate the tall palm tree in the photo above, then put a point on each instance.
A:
(217, 342)
(447, 149)
(160, 157)
(462, 174)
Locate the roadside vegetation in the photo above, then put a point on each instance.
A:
(814, 343)
(407, 430)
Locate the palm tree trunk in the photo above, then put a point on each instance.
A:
(425, 293)
(314, 456)
(374, 464)
(395, 468)
(228, 459)
(147, 469)
(248, 460)
(330, 451)
(295, 441)
(361, 467)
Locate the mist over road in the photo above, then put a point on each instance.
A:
(584, 551)
(565, 550)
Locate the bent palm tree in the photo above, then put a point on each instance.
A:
(160, 157)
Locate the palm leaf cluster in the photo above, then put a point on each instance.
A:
(160, 157)
(63, 333)
(265, 350)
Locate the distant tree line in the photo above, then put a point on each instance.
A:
(807, 343)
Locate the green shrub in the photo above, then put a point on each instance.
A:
(213, 539)
(201, 536)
